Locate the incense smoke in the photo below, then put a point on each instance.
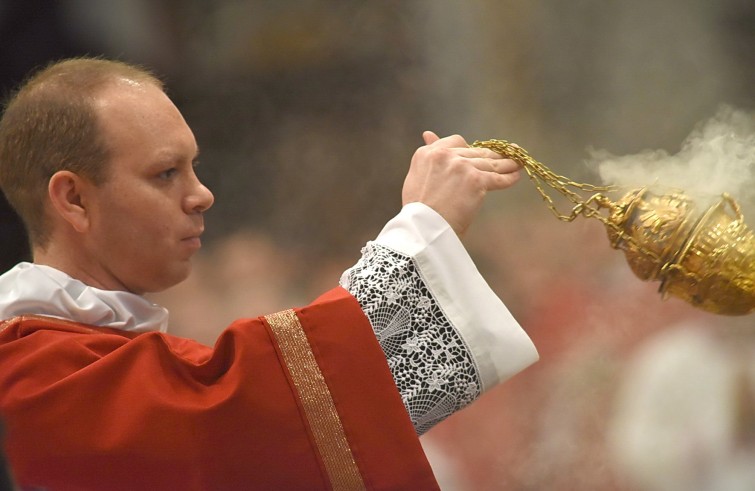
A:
(717, 157)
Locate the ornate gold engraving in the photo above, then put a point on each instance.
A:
(705, 257)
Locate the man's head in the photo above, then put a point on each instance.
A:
(50, 124)
(99, 163)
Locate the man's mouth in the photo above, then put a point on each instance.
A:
(194, 240)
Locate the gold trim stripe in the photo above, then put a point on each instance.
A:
(317, 401)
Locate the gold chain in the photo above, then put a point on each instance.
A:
(539, 174)
(542, 176)
(722, 250)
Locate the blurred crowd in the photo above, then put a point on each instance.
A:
(307, 114)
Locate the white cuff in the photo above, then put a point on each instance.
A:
(498, 344)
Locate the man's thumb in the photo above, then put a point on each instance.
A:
(430, 137)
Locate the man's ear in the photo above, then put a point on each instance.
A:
(66, 190)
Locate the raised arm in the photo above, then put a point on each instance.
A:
(447, 337)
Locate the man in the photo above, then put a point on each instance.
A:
(99, 164)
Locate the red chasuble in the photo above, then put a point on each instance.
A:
(302, 399)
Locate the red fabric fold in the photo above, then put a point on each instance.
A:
(98, 408)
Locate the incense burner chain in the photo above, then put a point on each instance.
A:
(705, 256)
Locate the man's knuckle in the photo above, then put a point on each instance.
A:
(476, 180)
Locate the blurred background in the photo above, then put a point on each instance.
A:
(308, 112)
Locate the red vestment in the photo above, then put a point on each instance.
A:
(271, 406)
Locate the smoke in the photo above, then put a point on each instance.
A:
(717, 157)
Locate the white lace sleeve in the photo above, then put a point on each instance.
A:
(430, 363)
(447, 337)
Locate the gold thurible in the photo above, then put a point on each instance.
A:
(703, 256)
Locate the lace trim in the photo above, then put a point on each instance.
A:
(430, 362)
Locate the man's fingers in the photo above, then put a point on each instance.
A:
(430, 137)
(500, 172)
(497, 181)
(453, 141)
(498, 166)
(479, 152)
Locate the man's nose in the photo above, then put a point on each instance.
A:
(200, 199)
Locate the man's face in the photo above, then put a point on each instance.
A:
(146, 218)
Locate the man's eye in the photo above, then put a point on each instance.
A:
(168, 173)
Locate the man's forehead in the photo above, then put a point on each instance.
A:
(136, 103)
(124, 90)
(128, 81)
(139, 117)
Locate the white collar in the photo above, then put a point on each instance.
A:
(36, 289)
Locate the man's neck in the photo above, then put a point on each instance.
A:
(90, 274)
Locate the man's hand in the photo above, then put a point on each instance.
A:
(452, 178)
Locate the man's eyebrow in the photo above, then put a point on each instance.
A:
(170, 156)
